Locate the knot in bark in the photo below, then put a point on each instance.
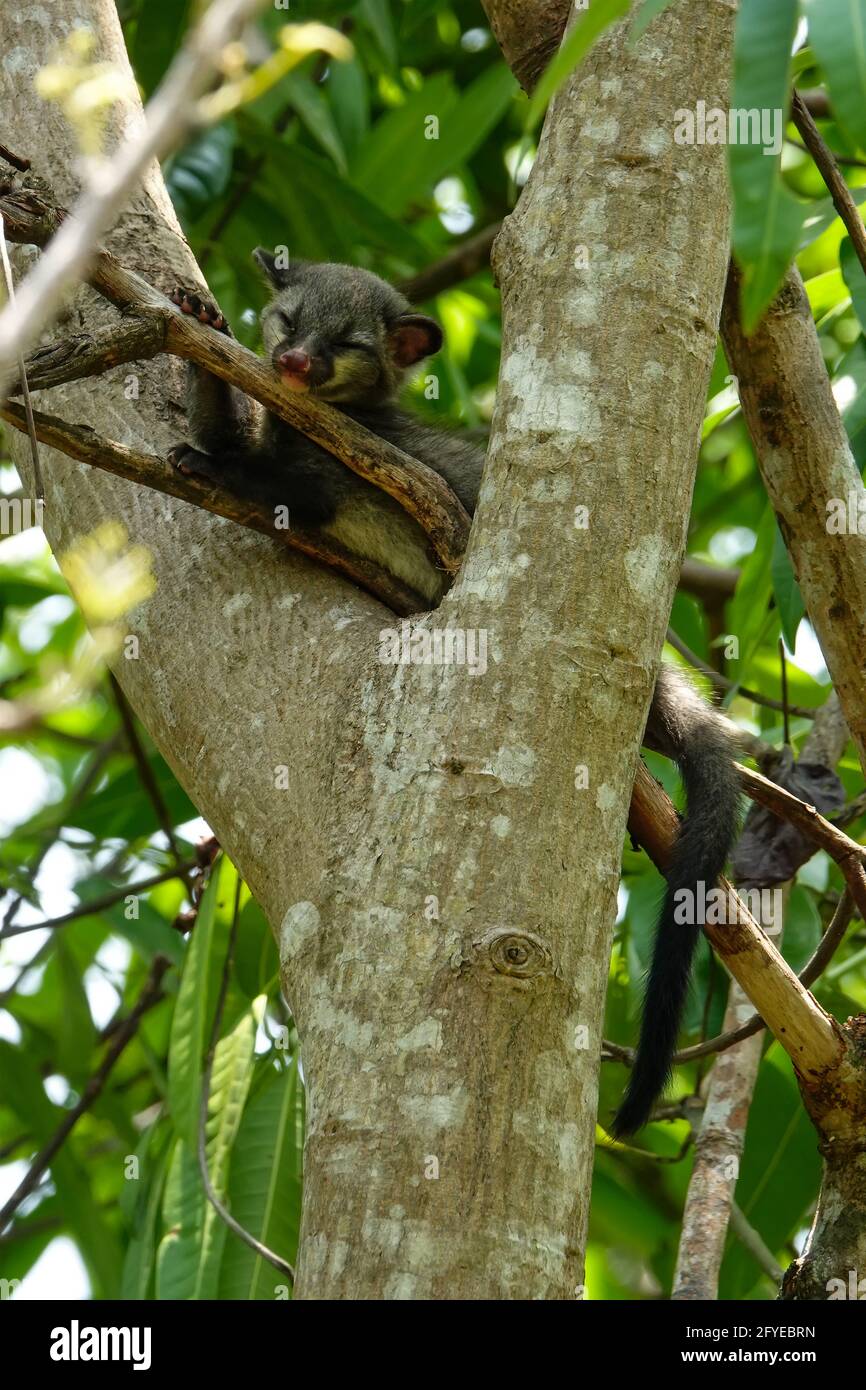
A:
(519, 954)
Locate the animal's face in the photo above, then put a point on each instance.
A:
(340, 333)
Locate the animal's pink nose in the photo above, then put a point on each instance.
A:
(295, 361)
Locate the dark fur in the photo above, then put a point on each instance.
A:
(359, 337)
(683, 727)
(350, 324)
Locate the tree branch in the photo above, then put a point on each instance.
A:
(850, 857)
(827, 167)
(80, 442)
(808, 1034)
(32, 216)
(459, 264)
(808, 471)
(96, 905)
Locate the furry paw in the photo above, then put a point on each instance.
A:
(191, 303)
(192, 462)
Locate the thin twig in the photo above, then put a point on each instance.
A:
(850, 857)
(712, 584)
(87, 909)
(847, 159)
(456, 265)
(145, 771)
(16, 160)
(830, 173)
(725, 683)
(77, 796)
(751, 1241)
(90, 1094)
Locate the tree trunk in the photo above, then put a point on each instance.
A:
(226, 668)
(447, 870)
(452, 1009)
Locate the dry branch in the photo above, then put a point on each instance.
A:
(825, 162)
(153, 325)
(808, 1034)
(82, 443)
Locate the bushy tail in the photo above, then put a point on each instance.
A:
(699, 741)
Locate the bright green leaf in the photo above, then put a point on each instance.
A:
(767, 218)
(837, 33)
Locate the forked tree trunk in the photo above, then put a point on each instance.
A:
(446, 871)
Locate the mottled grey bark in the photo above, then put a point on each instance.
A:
(449, 975)
(811, 478)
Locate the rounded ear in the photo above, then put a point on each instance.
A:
(413, 336)
(267, 263)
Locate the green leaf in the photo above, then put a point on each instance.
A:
(855, 279)
(853, 366)
(308, 101)
(786, 591)
(767, 218)
(124, 810)
(186, 1048)
(161, 23)
(149, 933)
(76, 1034)
(19, 591)
(24, 1093)
(821, 214)
(198, 175)
(154, 1154)
(376, 16)
(190, 1255)
(256, 957)
(326, 216)
(573, 49)
(33, 1233)
(350, 102)
(265, 1186)
(802, 927)
(398, 159)
(748, 610)
(837, 33)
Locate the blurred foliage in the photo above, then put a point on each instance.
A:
(332, 162)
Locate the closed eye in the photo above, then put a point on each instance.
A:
(353, 346)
